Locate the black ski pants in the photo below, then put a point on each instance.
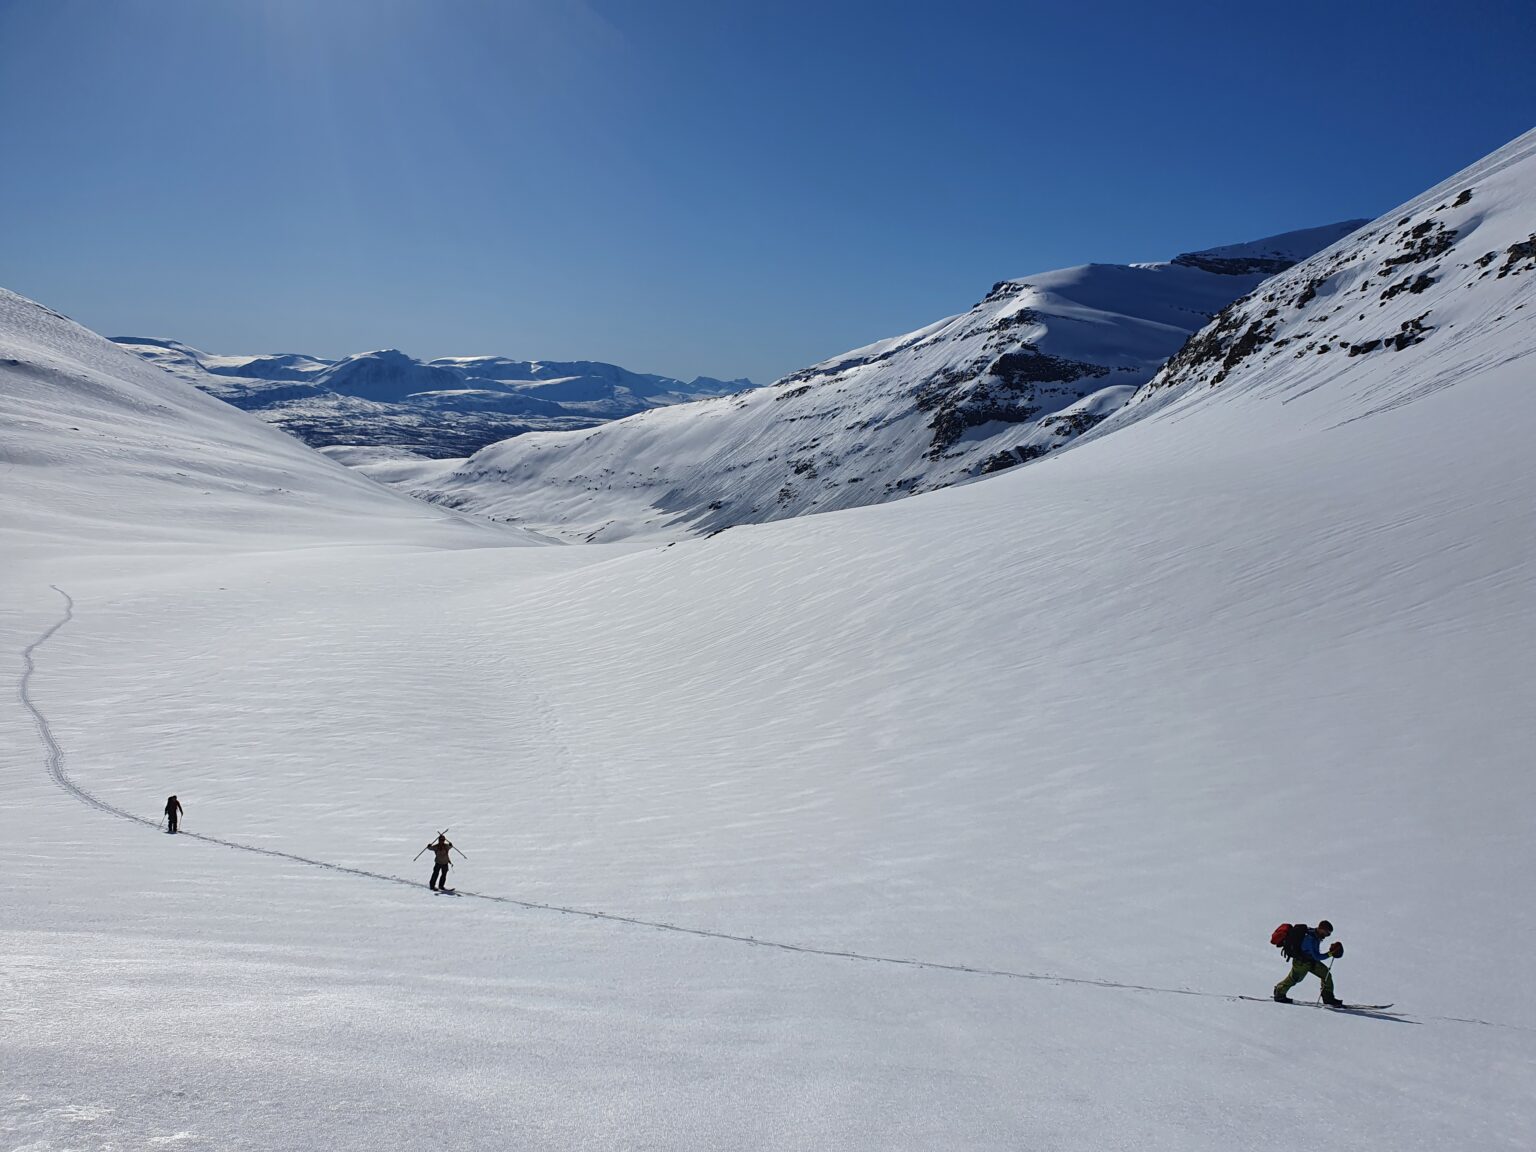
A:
(439, 876)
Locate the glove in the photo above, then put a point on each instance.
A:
(1336, 949)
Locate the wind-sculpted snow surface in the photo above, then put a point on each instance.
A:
(1035, 364)
(56, 770)
(1107, 719)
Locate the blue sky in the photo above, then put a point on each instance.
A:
(692, 186)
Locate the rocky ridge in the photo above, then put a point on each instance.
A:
(1400, 297)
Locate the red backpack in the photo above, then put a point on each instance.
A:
(1288, 938)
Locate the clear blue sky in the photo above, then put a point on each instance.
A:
(692, 186)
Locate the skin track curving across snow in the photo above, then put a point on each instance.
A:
(55, 758)
(55, 764)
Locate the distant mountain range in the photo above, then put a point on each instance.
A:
(402, 406)
(1036, 363)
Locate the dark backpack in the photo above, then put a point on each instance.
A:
(1288, 938)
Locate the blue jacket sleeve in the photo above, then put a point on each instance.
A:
(1309, 947)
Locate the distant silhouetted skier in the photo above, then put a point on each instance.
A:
(172, 813)
(441, 863)
(1303, 948)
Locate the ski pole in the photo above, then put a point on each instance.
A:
(1329, 966)
(417, 857)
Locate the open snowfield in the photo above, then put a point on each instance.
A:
(957, 822)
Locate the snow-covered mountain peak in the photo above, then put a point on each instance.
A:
(387, 375)
(1039, 360)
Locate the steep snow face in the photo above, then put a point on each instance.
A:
(1426, 296)
(1035, 364)
(95, 439)
(449, 407)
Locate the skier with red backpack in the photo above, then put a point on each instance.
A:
(1302, 946)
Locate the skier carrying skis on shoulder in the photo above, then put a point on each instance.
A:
(441, 847)
(1303, 948)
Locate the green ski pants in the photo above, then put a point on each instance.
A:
(1300, 970)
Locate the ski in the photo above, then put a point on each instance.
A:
(1317, 1004)
(446, 891)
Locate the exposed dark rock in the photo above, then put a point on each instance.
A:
(1028, 365)
(1016, 320)
(1525, 250)
(1411, 285)
(1074, 424)
(817, 371)
(1022, 454)
(1234, 265)
(1005, 392)
(1424, 241)
(1411, 332)
(1246, 345)
(1002, 289)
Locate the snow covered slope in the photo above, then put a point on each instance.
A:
(99, 448)
(1036, 363)
(955, 822)
(1434, 290)
(448, 407)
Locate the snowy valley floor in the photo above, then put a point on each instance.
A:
(1112, 722)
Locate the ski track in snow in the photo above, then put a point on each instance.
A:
(55, 764)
